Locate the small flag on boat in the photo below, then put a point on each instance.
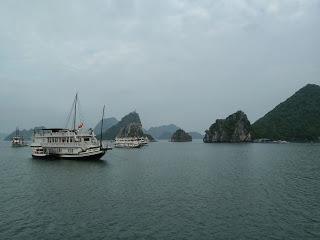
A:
(81, 125)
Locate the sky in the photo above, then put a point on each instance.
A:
(173, 61)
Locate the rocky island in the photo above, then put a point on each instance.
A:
(181, 136)
(129, 126)
(235, 128)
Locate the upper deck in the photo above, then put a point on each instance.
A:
(61, 132)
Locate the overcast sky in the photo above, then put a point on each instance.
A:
(173, 61)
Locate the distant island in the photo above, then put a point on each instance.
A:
(196, 135)
(107, 123)
(165, 132)
(26, 134)
(3, 135)
(129, 126)
(181, 136)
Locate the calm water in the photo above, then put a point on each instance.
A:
(164, 191)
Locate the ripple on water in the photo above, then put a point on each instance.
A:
(164, 191)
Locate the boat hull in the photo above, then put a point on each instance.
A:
(125, 146)
(19, 145)
(91, 156)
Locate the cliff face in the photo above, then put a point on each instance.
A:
(129, 126)
(112, 132)
(181, 136)
(235, 128)
(131, 130)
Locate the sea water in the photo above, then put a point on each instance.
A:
(164, 191)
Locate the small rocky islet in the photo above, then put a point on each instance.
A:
(235, 128)
(181, 136)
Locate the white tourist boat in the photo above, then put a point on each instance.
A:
(144, 141)
(17, 140)
(127, 142)
(75, 143)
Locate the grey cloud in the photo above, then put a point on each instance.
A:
(150, 55)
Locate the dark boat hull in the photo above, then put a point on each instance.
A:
(91, 157)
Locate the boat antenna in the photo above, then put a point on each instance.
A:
(75, 112)
(104, 106)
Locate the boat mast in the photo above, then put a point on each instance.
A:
(104, 106)
(75, 112)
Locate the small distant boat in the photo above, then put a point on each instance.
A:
(17, 140)
(63, 143)
(144, 141)
(127, 142)
(280, 142)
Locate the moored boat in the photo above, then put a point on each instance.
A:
(144, 141)
(17, 140)
(63, 143)
(127, 142)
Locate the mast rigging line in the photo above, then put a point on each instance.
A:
(70, 113)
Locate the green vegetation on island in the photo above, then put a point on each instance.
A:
(296, 119)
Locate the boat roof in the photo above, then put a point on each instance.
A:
(54, 129)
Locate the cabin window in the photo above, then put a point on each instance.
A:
(86, 139)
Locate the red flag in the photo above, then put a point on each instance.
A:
(81, 125)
